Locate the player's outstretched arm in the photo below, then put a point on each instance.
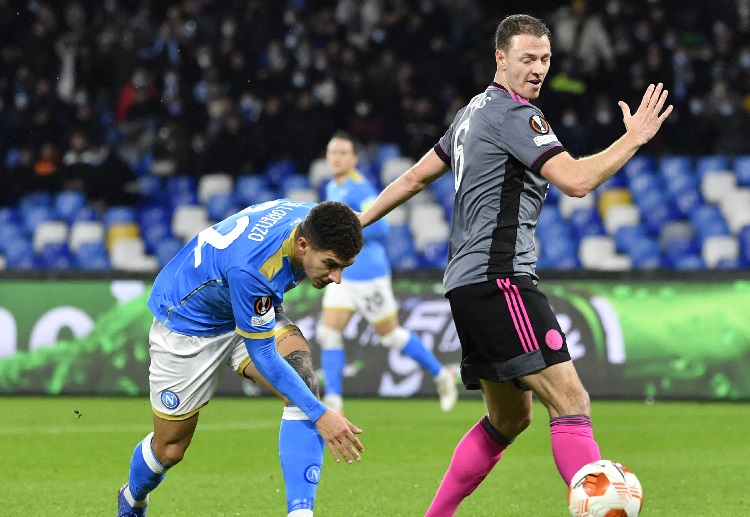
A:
(429, 168)
(341, 436)
(578, 177)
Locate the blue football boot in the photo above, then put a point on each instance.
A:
(127, 506)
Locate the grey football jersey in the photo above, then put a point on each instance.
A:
(495, 147)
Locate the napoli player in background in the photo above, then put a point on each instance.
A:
(503, 154)
(366, 288)
(218, 304)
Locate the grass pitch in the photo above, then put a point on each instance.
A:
(692, 459)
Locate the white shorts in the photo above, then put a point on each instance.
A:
(185, 371)
(373, 299)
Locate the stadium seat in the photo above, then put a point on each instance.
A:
(278, 171)
(8, 232)
(119, 215)
(687, 201)
(717, 184)
(427, 224)
(710, 164)
(735, 207)
(585, 222)
(550, 214)
(638, 165)
(675, 164)
(68, 203)
(189, 220)
(129, 254)
(708, 222)
(92, 255)
(611, 198)
(627, 236)
(716, 248)
(3, 263)
(558, 252)
(675, 230)
(399, 216)
(691, 262)
(166, 250)
(8, 214)
(85, 231)
(293, 182)
(154, 214)
(305, 195)
(34, 199)
(55, 255)
(644, 254)
(121, 231)
(434, 254)
(87, 213)
(49, 231)
(619, 216)
(154, 234)
(599, 253)
(743, 236)
(676, 249)
(222, 205)
(393, 168)
(742, 170)
(382, 154)
(19, 254)
(33, 216)
(253, 189)
(181, 190)
(400, 248)
(212, 184)
(553, 195)
(568, 205)
(150, 187)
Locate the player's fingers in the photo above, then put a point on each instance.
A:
(625, 109)
(666, 113)
(334, 451)
(355, 441)
(660, 101)
(646, 97)
(353, 428)
(655, 95)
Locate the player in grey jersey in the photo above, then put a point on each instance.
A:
(504, 154)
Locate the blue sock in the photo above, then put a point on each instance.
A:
(145, 470)
(416, 350)
(301, 455)
(333, 362)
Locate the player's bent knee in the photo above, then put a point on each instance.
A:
(172, 454)
(396, 339)
(329, 338)
(301, 361)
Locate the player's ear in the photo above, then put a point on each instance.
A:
(500, 58)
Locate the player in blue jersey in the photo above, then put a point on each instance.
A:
(366, 288)
(217, 304)
(504, 154)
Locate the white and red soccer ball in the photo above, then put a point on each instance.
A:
(605, 489)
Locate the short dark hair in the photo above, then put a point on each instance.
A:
(516, 24)
(345, 135)
(333, 226)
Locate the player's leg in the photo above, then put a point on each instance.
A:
(560, 390)
(376, 302)
(509, 413)
(175, 405)
(300, 445)
(337, 311)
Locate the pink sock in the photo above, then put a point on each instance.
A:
(573, 444)
(473, 459)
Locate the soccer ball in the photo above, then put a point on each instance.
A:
(604, 489)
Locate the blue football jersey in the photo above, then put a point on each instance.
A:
(231, 275)
(359, 194)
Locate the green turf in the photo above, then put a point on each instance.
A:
(692, 459)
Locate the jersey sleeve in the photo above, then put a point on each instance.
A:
(443, 147)
(252, 303)
(528, 137)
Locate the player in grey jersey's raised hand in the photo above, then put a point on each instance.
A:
(503, 154)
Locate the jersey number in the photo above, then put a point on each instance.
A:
(218, 240)
(458, 152)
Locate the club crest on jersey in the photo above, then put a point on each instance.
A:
(312, 474)
(170, 399)
(539, 124)
(262, 305)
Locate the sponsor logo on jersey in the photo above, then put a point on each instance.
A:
(259, 321)
(539, 125)
(544, 140)
(170, 399)
(262, 305)
(312, 474)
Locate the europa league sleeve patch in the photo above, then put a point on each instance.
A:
(539, 124)
(262, 305)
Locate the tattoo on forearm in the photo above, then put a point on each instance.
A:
(301, 361)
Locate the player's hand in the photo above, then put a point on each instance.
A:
(645, 122)
(340, 436)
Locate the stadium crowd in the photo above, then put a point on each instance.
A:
(200, 86)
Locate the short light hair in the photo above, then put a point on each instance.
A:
(516, 24)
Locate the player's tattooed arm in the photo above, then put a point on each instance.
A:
(301, 361)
